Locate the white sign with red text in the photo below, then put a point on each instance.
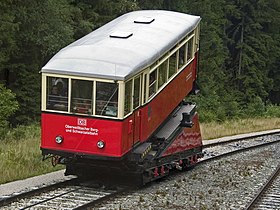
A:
(81, 128)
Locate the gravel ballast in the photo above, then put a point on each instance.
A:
(228, 183)
(221, 184)
(21, 186)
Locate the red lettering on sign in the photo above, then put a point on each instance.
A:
(82, 122)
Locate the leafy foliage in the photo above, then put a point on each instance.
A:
(8, 106)
(249, 49)
(239, 49)
(235, 77)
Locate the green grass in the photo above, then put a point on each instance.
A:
(214, 130)
(20, 154)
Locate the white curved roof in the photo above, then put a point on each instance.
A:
(101, 56)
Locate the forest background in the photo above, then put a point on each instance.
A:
(239, 68)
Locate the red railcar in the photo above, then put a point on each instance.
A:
(112, 100)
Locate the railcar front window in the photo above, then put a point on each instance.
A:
(57, 94)
(81, 96)
(106, 99)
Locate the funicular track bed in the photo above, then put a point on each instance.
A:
(73, 194)
(217, 182)
(218, 149)
(224, 182)
(268, 196)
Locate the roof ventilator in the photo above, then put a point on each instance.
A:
(121, 34)
(144, 20)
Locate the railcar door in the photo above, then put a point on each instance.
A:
(137, 126)
(137, 112)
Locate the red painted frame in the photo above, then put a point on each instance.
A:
(81, 134)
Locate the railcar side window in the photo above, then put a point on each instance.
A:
(145, 88)
(57, 94)
(107, 99)
(127, 97)
(81, 96)
(172, 64)
(190, 49)
(182, 56)
(153, 83)
(136, 95)
(162, 73)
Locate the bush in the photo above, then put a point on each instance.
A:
(23, 132)
(8, 106)
(256, 108)
(215, 109)
(272, 111)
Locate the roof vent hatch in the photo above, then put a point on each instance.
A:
(121, 34)
(144, 20)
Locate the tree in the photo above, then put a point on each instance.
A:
(239, 49)
(249, 48)
(147, 4)
(8, 106)
(93, 14)
(43, 28)
(8, 29)
(215, 96)
(272, 27)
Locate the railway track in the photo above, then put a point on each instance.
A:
(268, 196)
(219, 149)
(66, 195)
(74, 195)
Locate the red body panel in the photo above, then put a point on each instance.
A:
(164, 103)
(188, 139)
(82, 133)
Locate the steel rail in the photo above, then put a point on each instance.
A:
(48, 199)
(99, 196)
(92, 203)
(102, 199)
(241, 138)
(92, 195)
(264, 188)
(34, 192)
(239, 150)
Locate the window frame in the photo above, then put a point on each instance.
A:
(192, 52)
(184, 46)
(154, 83)
(166, 74)
(141, 93)
(44, 92)
(92, 99)
(139, 89)
(70, 78)
(95, 90)
(176, 53)
(131, 98)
